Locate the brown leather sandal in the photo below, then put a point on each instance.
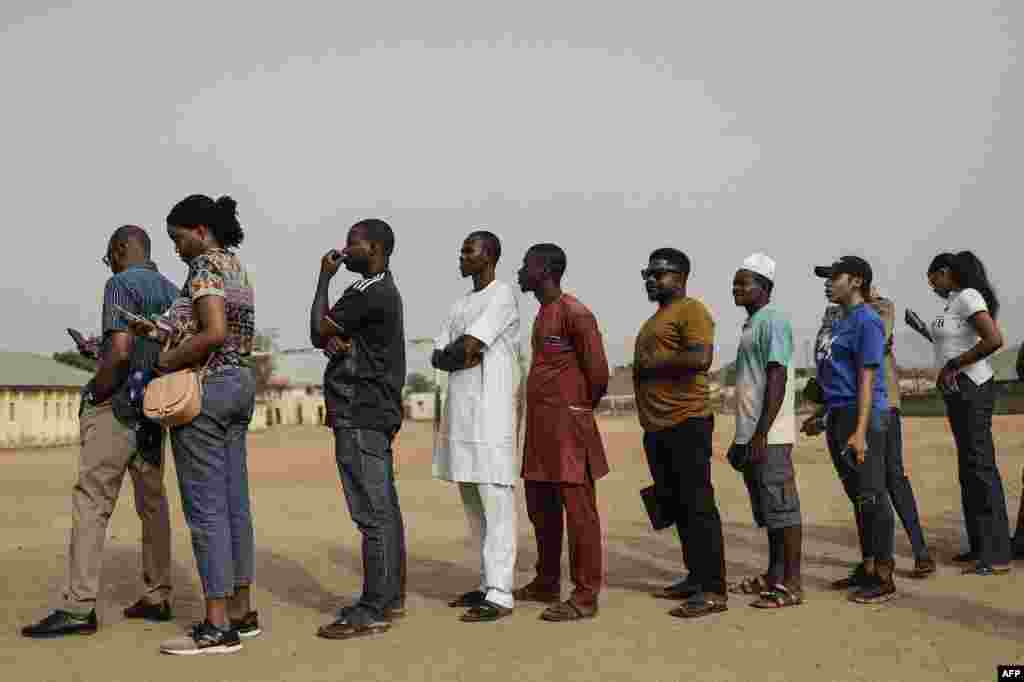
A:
(568, 610)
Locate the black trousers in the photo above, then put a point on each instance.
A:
(900, 490)
(981, 487)
(865, 483)
(680, 463)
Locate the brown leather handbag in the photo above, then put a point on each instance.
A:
(175, 399)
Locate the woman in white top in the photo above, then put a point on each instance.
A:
(965, 334)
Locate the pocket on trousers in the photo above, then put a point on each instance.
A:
(374, 449)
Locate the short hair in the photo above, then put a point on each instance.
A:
(673, 256)
(553, 257)
(490, 241)
(378, 232)
(132, 233)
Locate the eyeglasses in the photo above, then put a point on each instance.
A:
(657, 272)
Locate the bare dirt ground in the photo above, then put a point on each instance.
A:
(946, 628)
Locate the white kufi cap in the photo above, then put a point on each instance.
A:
(761, 264)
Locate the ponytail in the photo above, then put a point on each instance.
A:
(970, 273)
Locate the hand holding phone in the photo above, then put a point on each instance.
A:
(129, 315)
(915, 322)
(84, 347)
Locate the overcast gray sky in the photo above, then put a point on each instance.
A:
(890, 129)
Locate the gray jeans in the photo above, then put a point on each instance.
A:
(368, 479)
(210, 457)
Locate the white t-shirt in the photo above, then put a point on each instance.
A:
(767, 338)
(955, 335)
(477, 438)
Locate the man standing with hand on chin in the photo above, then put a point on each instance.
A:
(363, 391)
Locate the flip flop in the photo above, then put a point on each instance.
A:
(754, 585)
(485, 613)
(566, 611)
(778, 597)
(698, 606)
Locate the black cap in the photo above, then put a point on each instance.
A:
(850, 265)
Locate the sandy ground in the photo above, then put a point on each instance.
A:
(946, 628)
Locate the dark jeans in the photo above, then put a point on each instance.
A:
(865, 484)
(981, 487)
(368, 478)
(680, 463)
(900, 490)
(210, 458)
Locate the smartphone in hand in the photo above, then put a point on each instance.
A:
(82, 344)
(129, 315)
(915, 322)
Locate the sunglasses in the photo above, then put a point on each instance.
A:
(657, 272)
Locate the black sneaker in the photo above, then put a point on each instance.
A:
(858, 578)
(149, 611)
(204, 639)
(61, 623)
(248, 626)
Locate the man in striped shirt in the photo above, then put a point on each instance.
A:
(112, 434)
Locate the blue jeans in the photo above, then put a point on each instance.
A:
(865, 483)
(210, 457)
(368, 479)
(981, 487)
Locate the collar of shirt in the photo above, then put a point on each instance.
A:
(363, 283)
(148, 265)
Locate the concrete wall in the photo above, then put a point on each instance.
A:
(38, 418)
(420, 406)
(259, 417)
(295, 406)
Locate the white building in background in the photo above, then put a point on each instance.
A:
(39, 399)
(294, 394)
(420, 406)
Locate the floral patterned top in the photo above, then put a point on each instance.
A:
(217, 272)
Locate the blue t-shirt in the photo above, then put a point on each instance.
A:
(854, 342)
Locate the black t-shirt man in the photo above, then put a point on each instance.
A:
(363, 387)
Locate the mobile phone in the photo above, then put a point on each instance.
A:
(78, 338)
(132, 317)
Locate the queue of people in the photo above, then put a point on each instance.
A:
(153, 329)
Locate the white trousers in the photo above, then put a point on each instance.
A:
(491, 511)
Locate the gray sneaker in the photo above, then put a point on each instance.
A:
(203, 639)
